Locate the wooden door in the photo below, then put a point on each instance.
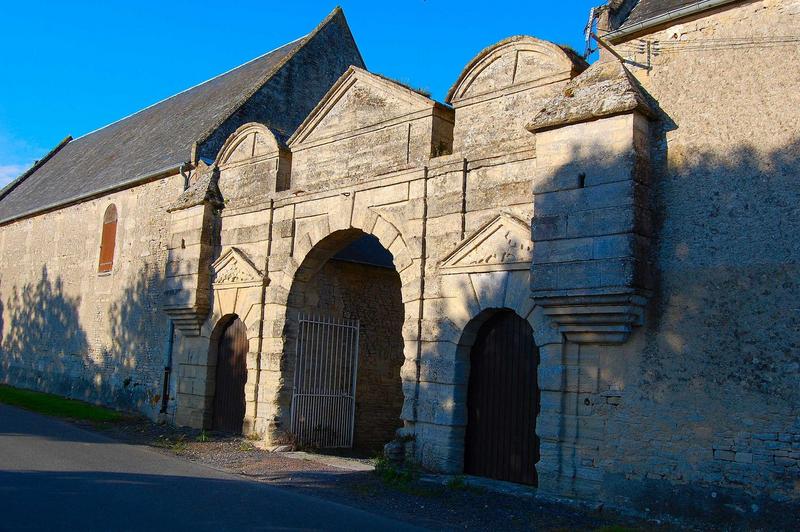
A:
(503, 402)
(232, 349)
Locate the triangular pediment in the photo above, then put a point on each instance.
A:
(502, 244)
(358, 101)
(234, 268)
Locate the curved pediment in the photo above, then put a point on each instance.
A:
(250, 141)
(516, 61)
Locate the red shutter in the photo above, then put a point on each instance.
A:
(108, 240)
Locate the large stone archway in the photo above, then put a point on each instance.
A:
(347, 287)
(320, 241)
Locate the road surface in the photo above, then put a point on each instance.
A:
(56, 476)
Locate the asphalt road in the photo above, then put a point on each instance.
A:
(55, 476)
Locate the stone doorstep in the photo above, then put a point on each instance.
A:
(348, 464)
(488, 484)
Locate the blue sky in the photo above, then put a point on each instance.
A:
(68, 68)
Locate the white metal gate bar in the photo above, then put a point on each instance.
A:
(325, 372)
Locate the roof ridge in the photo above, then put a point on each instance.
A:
(266, 77)
(165, 134)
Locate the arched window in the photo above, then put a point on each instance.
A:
(108, 240)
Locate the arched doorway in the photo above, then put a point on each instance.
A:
(347, 281)
(503, 401)
(231, 375)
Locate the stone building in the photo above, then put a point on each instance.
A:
(579, 277)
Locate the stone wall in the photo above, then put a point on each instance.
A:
(402, 128)
(663, 210)
(702, 407)
(371, 295)
(517, 74)
(457, 226)
(69, 330)
(287, 98)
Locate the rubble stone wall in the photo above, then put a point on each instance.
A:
(702, 407)
(67, 329)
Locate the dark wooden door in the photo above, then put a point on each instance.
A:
(232, 350)
(503, 401)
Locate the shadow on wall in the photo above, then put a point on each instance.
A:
(709, 392)
(139, 333)
(2, 323)
(47, 346)
(724, 266)
(727, 275)
(45, 341)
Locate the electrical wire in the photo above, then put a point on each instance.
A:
(672, 47)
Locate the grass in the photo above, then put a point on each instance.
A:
(246, 446)
(404, 478)
(54, 405)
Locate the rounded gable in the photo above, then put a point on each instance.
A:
(518, 60)
(249, 141)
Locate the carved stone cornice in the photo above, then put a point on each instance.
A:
(595, 318)
(187, 295)
(592, 222)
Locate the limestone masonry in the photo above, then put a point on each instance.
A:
(640, 214)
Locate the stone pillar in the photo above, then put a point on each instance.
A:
(195, 397)
(187, 297)
(591, 225)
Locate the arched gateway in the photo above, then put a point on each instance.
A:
(231, 375)
(344, 347)
(377, 158)
(503, 401)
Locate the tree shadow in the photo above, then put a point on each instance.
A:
(138, 353)
(2, 323)
(55, 344)
(97, 500)
(711, 375)
(45, 347)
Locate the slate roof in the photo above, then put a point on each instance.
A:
(645, 10)
(156, 139)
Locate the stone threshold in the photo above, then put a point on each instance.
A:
(482, 483)
(348, 464)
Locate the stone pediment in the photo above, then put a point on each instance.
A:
(502, 244)
(518, 61)
(233, 268)
(358, 101)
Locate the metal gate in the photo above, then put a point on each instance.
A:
(326, 366)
